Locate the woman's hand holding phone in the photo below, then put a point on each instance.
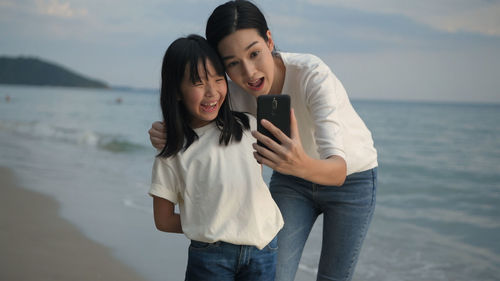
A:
(288, 157)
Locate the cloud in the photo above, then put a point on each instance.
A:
(476, 16)
(379, 48)
(6, 3)
(59, 9)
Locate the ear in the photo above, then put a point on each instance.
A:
(270, 42)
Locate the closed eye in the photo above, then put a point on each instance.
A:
(231, 64)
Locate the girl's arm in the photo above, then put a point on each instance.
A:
(165, 217)
(290, 158)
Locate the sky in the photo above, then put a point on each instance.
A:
(426, 50)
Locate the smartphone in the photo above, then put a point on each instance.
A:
(275, 109)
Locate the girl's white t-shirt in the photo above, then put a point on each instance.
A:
(219, 190)
(328, 124)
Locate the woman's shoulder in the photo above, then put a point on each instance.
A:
(305, 68)
(302, 61)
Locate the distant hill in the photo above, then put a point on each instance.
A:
(34, 71)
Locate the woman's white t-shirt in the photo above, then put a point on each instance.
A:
(219, 189)
(328, 124)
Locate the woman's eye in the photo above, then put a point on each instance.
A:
(254, 54)
(231, 64)
(220, 80)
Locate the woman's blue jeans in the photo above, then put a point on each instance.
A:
(221, 261)
(347, 211)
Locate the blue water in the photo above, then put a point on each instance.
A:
(438, 201)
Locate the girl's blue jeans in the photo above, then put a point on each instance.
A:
(221, 261)
(347, 211)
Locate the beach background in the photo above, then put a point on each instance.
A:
(78, 163)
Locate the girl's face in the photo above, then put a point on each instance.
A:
(203, 98)
(249, 61)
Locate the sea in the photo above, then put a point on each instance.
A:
(438, 203)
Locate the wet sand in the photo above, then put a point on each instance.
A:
(37, 244)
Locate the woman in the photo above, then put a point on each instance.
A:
(329, 164)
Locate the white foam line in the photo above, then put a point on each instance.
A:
(489, 257)
(439, 215)
(130, 203)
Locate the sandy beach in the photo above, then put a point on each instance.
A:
(37, 244)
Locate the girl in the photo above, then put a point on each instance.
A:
(329, 164)
(207, 168)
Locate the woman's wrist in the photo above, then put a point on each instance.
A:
(331, 171)
(303, 169)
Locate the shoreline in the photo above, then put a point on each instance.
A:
(38, 244)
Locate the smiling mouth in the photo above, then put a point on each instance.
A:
(209, 107)
(256, 84)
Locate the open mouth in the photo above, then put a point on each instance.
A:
(256, 84)
(209, 107)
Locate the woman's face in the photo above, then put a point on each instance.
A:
(203, 98)
(248, 60)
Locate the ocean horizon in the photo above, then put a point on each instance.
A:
(438, 203)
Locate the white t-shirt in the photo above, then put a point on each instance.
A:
(219, 189)
(328, 124)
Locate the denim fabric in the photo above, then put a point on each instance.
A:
(221, 261)
(347, 211)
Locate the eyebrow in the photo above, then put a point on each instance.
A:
(248, 47)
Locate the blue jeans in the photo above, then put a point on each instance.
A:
(221, 261)
(347, 211)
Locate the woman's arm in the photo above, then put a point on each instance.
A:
(165, 217)
(290, 158)
(157, 135)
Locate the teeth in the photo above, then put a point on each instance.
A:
(254, 82)
(210, 104)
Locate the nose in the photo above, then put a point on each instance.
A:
(210, 89)
(248, 69)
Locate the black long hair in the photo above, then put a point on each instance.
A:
(232, 16)
(185, 54)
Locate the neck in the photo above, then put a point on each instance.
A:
(279, 76)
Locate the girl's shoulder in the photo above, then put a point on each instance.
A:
(250, 116)
(252, 121)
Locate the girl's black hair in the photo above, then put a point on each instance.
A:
(185, 54)
(232, 16)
